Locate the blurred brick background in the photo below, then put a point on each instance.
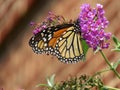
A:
(21, 68)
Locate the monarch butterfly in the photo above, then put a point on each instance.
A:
(63, 41)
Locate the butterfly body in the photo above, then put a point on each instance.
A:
(63, 41)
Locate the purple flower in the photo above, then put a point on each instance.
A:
(32, 23)
(93, 22)
(50, 20)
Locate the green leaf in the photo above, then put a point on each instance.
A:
(115, 65)
(117, 44)
(116, 49)
(45, 85)
(50, 80)
(108, 88)
(84, 46)
(116, 41)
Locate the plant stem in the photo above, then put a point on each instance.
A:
(108, 88)
(98, 73)
(111, 67)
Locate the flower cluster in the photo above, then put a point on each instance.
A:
(93, 22)
(50, 21)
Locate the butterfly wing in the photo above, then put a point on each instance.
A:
(63, 41)
(37, 44)
(68, 47)
(43, 41)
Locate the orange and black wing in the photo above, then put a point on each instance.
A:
(37, 44)
(63, 41)
(68, 47)
(44, 41)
